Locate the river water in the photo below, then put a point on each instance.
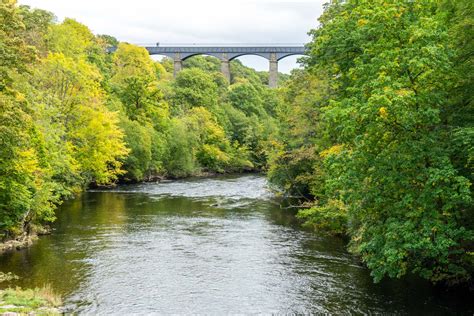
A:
(214, 246)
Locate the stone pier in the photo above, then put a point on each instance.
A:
(178, 65)
(273, 71)
(225, 67)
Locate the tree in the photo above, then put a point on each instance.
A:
(26, 189)
(245, 97)
(16, 54)
(390, 123)
(295, 161)
(37, 23)
(69, 82)
(135, 81)
(194, 88)
(70, 38)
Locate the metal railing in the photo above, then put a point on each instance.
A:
(159, 44)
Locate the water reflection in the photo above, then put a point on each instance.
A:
(205, 246)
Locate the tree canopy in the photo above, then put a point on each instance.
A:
(379, 135)
(73, 115)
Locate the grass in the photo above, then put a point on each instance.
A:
(41, 301)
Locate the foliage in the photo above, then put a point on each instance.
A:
(181, 160)
(145, 118)
(71, 38)
(198, 142)
(73, 86)
(74, 115)
(25, 186)
(245, 97)
(15, 52)
(194, 87)
(57, 134)
(331, 216)
(387, 157)
(295, 163)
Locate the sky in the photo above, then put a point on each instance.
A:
(199, 21)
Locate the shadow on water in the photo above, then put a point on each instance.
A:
(206, 246)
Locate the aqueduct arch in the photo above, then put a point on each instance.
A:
(227, 53)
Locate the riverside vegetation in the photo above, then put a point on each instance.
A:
(73, 115)
(377, 132)
(374, 135)
(28, 302)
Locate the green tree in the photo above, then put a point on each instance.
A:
(37, 23)
(390, 123)
(70, 38)
(136, 83)
(194, 88)
(26, 189)
(295, 161)
(15, 52)
(73, 86)
(245, 97)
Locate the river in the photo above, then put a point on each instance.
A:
(217, 245)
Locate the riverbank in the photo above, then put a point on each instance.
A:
(157, 178)
(24, 240)
(18, 243)
(39, 301)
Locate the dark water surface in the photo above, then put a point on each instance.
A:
(216, 246)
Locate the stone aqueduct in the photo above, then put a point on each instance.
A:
(226, 53)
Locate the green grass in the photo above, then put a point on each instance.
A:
(30, 300)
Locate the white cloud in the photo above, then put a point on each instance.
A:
(187, 21)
